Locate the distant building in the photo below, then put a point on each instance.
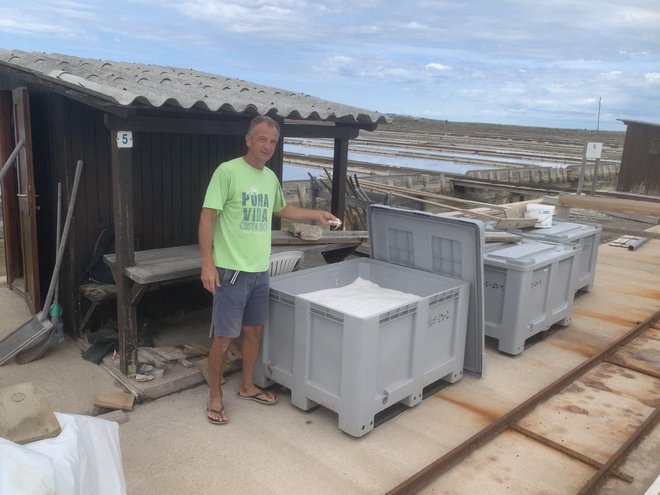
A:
(640, 163)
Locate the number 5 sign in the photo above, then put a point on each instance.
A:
(124, 139)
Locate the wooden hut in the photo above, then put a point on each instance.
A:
(150, 137)
(640, 162)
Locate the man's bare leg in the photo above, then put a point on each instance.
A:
(249, 353)
(216, 368)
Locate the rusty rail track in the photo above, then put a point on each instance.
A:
(431, 472)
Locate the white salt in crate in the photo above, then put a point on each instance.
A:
(356, 365)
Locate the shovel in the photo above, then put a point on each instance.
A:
(38, 329)
(39, 348)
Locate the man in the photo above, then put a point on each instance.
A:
(235, 240)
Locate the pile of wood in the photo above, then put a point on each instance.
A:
(358, 199)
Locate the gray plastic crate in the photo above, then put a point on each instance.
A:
(358, 366)
(452, 247)
(586, 235)
(528, 287)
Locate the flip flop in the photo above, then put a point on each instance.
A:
(257, 397)
(219, 412)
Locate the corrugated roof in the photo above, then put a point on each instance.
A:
(639, 122)
(131, 84)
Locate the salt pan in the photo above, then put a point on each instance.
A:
(362, 298)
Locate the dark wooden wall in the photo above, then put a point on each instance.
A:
(640, 163)
(170, 176)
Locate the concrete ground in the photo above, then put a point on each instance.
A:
(168, 447)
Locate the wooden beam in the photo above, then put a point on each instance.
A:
(276, 164)
(570, 452)
(339, 167)
(27, 198)
(429, 195)
(236, 127)
(610, 204)
(504, 186)
(118, 416)
(122, 196)
(9, 188)
(179, 126)
(284, 238)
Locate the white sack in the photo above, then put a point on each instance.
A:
(84, 459)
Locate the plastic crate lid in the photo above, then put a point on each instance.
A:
(447, 246)
(528, 254)
(561, 231)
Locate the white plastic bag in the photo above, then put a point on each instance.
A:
(84, 458)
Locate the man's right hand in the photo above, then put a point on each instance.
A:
(210, 278)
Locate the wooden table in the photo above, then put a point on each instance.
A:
(156, 267)
(182, 262)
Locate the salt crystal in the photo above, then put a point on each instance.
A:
(362, 298)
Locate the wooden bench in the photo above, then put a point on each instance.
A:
(157, 267)
(96, 294)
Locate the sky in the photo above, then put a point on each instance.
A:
(561, 63)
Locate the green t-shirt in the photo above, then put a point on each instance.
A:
(245, 199)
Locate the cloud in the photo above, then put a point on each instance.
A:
(364, 29)
(276, 19)
(416, 26)
(69, 9)
(438, 67)
(511, 58)
(375, 70)
(26, 23)
(381, 69)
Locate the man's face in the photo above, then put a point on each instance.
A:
(261, 144)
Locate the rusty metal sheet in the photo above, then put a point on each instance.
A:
(596, 414)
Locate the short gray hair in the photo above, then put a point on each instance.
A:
(261, 119)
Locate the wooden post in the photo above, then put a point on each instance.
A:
(339, 166)
(9, 187)
(277, 165)
(582, 167)
(122, 200)
(594, 179)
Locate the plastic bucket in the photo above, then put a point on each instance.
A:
(542, 213)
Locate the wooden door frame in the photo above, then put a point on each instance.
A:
(9, 188)
(28, 233)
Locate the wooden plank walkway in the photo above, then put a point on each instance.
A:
(313, 455)
(592, 417)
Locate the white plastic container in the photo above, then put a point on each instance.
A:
(542, 213)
